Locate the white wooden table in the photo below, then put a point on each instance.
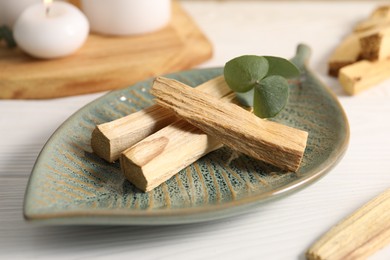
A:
(283, 229)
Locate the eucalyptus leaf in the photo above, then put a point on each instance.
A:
(281, 67)
(244, 72)
(246, 98)
(270, 96)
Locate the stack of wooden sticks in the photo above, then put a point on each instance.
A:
(187, 123)
(362, 59)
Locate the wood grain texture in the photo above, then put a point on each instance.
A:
(375, 43)
(369, 40)
(111, 138)
(274, 143)
(359, 235)
(379, 16)
(105, 63)
(162, 155)
(362, 75)
(347, 52)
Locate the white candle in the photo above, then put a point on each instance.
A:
(126, 17)
(52, 30)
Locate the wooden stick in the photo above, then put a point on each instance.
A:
(161, 155)
(164, 153)
(380, 16)
(372, 44)
(371, 23)
(369, 40)
(346, 53)
(381, 12)
(359, 235)
(375, 43)
(233, 126)
(374, 34)
(362, 75)
(110, 139)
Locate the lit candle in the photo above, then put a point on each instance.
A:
(126, 17)
(51, 29)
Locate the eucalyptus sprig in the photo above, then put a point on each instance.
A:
(261, 82)
(7, 36)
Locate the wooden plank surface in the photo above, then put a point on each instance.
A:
(105, 63)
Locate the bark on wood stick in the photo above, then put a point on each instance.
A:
(374, 35)
(161, 155)
(110, 139)
(375, 43)
(359, 235)
(362, 75)
(233, 126)
(369, 40)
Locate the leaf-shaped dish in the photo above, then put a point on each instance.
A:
(71, 185)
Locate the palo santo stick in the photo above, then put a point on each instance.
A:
(381, 12)
(233, 126)
(161, 155)
(368, 40)
(110, 139)
(372, 44)
(371, 23)
(374, 35)
(346, 53)
(359, 235)
(380, 16)
(164, 153)
(375, 43)
(362, 75)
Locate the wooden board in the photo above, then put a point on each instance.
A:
(105, 63)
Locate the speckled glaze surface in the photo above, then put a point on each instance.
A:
(71, 185)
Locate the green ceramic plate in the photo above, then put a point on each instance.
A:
(71, 185)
